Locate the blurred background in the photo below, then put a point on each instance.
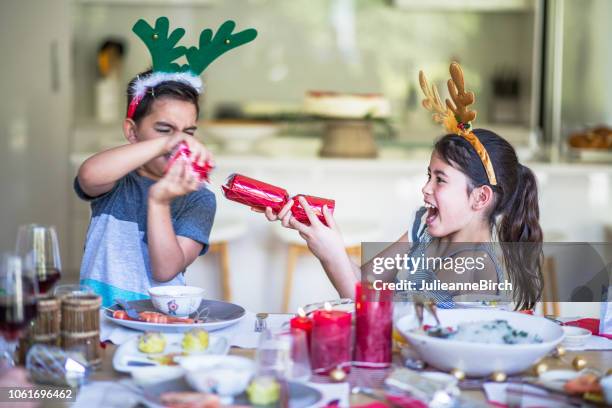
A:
(539, 69)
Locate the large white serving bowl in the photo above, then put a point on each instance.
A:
(480, 359)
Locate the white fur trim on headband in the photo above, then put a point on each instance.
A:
(140, 86)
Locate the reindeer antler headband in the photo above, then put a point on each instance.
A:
(456, 117)
(162, 46)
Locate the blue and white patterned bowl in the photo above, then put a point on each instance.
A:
(180, 301)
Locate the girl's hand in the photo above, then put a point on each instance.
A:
(179, 180)
(325, 242)
(282, 214)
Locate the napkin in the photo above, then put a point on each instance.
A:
(108, 394)
(590, 324)
(524, 396)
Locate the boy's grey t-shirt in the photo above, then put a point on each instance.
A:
(116, 259)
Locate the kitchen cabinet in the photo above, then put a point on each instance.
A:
(35, 118)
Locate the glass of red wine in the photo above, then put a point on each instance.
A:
(39, 248)
(18, 292)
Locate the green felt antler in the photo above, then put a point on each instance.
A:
(213, 47)
(161, 45)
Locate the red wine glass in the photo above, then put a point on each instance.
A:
(39, 248)
(18, 292)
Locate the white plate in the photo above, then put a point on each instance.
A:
(222, 314)
(173, 328)
(128, 351)
(479, 359)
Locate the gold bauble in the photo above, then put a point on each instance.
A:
(337, 375)
(499, 376)
(541, 368)
(227, 41)
(458, 374)
(560, 351)
(155, 36)
(579, 363)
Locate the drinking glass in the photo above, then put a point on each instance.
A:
(62, 291)
(283, 353)
(18, 292)
(39, 248)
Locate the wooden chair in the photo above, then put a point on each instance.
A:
(224, 231)
(353, 233)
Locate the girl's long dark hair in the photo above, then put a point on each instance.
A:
(515, 212)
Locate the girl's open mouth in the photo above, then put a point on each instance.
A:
(432, 213)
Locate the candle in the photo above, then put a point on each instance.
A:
(331, 340)
(374, 326)
(302, 322)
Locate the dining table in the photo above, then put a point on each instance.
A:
(600, 360)
(359, 379)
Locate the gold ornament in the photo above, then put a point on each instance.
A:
(579, 363)
(560, 351)
(337, 375)
(460, 375)
(227, 41)
(498, 376)
(541, 368)
(155, 36)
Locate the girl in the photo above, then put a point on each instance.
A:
(476, 192)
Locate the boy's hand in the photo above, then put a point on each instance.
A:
(179, 180)
(199, 153)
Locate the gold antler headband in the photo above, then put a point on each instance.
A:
(456, 117)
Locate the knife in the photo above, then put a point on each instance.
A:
(131, 312)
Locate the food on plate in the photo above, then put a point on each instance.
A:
(263, 390)
(586, 383)
(166, 359)
(488, 332)
(195, 340)
(151, 343)
(189, 399)
(153, 317)
(595, 138)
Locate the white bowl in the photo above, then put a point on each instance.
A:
(145, 376)
(224, 375)
(575, 336)
(479, 359)
(237, 136)
(176, 300)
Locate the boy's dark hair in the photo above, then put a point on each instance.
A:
(168, 89)
(515, 205)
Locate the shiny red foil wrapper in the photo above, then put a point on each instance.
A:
(183, 152)
(316, 204)
(254, 193)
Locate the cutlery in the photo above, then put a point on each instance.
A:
(131, 312)
(137, 363)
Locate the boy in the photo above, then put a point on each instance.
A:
(146, 226)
